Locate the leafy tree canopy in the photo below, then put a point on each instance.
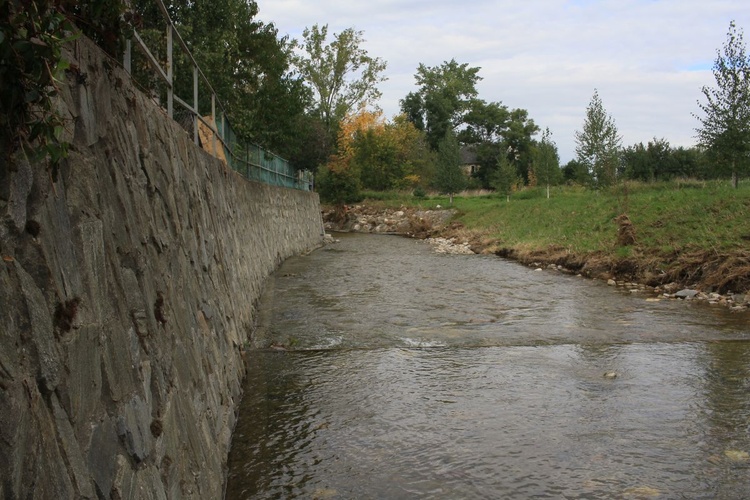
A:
(725, 125)
(443, 99)
(575, 172)
(485, 122)
(246, 61)
(598, 144)
(547, 160)
(658, 161)
(341, 74)
(504, 178)
(518, 142)
(383, 155)
(449, 177)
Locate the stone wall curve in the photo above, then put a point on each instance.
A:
(129, 276)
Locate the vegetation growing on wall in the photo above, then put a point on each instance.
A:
(32, 37)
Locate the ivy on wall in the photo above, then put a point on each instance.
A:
(32, 36)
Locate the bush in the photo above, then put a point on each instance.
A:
(338, 186)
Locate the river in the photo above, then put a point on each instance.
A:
(380, 369)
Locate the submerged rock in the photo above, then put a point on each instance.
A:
(641, 492)
(686, 294)
(737, 455)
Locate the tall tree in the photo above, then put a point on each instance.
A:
(341, 74)
(725, 126)
(505, 179)
(246, 61)
(485, 122)
(575, 172)
(497, 130)
(449, 177)
(652, 162)
(598, 144)
(518, 142)
(444, 96)
(413, 152)
(547, 160)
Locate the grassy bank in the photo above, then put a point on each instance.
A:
(688, 232)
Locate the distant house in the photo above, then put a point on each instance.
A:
(468, 156)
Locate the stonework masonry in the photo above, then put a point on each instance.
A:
(127, 285)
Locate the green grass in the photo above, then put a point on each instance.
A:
(669, 218)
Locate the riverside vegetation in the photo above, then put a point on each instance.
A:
(666, 236)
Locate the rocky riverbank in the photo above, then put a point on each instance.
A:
(416, 223)
(634, 274)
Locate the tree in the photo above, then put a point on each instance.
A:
(518, 142)
(692, 163)
(725, 126)
(311, 147)
(444, 96)
(485, 122)
(547, 160)
(338, 184)
(505, 179)
(393, 156)
(341, 74)
(247, 63)
(496, 130)
(655, 161)
(598, 144)
(575, 172)
(449, 177)
(372, 150)
(638, 165)
(412, 152)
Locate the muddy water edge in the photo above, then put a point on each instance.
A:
(380, 369)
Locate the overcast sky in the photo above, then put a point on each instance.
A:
(648, 58)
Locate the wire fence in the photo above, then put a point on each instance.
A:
(212, 130)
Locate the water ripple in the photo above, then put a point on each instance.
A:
(537, 385)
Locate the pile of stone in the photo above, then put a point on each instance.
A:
(450, 246)
(735, 301)
(386, 222)
(405, 221)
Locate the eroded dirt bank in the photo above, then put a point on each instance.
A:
(711, 276)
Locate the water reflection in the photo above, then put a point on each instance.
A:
(509, 400)
(478, 423)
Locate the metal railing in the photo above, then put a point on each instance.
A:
(214, 132)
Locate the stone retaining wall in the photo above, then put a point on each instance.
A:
(126, 297)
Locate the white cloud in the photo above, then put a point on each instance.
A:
(647, 58)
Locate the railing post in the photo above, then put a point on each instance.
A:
(126, 57)
(213, 121)
(170, 74)
(224, 132)
(266, 166)
(195, 104)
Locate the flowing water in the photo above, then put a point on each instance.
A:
(381, 369)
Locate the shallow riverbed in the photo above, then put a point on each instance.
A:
(408, 374)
